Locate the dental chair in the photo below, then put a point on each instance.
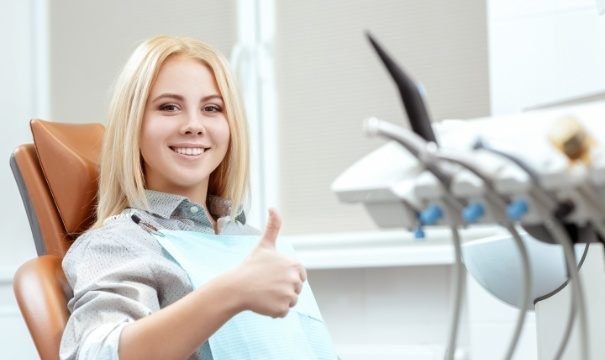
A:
(57, 178)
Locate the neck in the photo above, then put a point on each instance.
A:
(196, 194)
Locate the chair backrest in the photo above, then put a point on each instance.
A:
(57, 179)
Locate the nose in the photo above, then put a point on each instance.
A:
(194, 125)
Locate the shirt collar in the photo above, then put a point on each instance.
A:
(165, 204)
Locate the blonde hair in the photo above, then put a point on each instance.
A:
(121, 181)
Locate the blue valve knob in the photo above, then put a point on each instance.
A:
(517, 209)
(431, 215)
(419, 233)
(473, 212)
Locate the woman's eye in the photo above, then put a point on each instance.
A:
(212, 108)
(169, 107)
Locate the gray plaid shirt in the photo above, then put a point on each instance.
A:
(119, 274)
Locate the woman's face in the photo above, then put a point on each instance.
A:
(185, 133)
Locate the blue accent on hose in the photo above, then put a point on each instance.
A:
(419, 233)
(431, 215)
(517, 209)
(473, 212)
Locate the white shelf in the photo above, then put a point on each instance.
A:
(381, 249)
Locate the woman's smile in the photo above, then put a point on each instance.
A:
(189, 151)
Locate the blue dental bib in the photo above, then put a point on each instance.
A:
(302, 334)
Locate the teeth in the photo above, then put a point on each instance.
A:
(188, 151)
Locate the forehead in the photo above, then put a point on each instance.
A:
(185, 76)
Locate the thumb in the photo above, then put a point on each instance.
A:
(271, 229)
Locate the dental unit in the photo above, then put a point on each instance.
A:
(540, 175)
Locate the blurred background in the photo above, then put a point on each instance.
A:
(309, 78)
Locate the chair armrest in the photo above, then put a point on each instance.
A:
(42, 293)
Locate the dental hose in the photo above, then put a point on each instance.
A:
(459, 286)
(415, 146)
(499, 204)
(558, 233)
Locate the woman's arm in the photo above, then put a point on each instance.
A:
(176, 331)
(267, 282)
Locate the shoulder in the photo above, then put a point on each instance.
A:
(119, 237)
(116, 252)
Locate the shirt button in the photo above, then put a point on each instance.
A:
(194, 209)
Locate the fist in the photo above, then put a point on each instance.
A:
(270, 281)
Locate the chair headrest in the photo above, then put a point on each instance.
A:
(69, 157)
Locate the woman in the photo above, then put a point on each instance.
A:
(175, 158)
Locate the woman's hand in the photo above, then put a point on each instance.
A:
(267, 282)
(270, 281)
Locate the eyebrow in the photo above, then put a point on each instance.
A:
(181, 98)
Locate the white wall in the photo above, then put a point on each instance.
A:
(19, 101)
(543, 51)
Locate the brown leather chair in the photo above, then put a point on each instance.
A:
(57, 178)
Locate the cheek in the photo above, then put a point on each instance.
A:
(224, 134)
(154, 132)
(221, 138)
(226, 140)
(150, 138)
(145, 143)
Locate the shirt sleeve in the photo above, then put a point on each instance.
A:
(113, 285)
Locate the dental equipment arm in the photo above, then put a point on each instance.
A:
(415, 145)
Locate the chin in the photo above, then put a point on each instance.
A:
(188, 182)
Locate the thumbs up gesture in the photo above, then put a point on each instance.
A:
(272, 228)
(270, 281)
